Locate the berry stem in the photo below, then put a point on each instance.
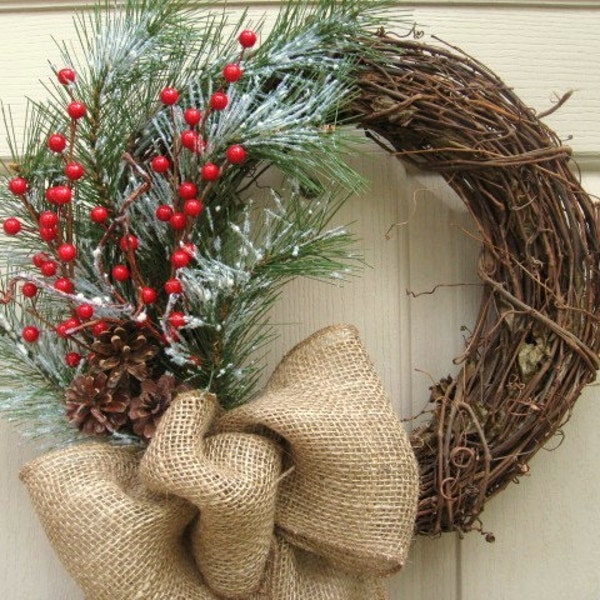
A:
(69, 218)
(66, 270)
(175, 181)
(72, 133)
(94, 126)
(205, 114)
(69, 215)
(7, 295)
(136, 275)
(35, 314)
(121, 219)
(29, 208)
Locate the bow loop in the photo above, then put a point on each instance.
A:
(116, 538)
(351, 496)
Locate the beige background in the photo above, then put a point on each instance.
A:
(547, 527)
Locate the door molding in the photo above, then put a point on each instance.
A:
(70, 5)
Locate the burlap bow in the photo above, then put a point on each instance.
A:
(307, 493)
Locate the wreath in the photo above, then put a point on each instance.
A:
(535, 343)
(141, 274)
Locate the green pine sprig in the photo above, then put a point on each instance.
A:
(284, 111)
(238, 279)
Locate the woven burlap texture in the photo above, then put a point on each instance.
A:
(306, 493)
(118, 540)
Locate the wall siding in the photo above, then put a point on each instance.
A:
(547, 527)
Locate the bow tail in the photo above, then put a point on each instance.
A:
(117, 540)
(296, 574)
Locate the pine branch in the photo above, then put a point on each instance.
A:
(233, 285)
(284, 112)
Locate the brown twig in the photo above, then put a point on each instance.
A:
(536, 340)
(120, 221)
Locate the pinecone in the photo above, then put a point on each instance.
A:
(147, 408)
(93, 407)
(123, 349)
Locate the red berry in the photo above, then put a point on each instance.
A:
(177, 319)
(190, 140)
(72, 359)
(98, 328)
(11, 226)
(173, 286)
(30, 333)
(192, 207)
(129, 242)
(192, 116)
(73, 171)
(63, 194)
(57, 142)
(72, 322)
(164, 212)
(235, 154)
(209, 171)
(29, 290)
(66, 76)
(120, 273)
(48, 219)
(61, 330)
(232, 72)
(49, 268)
(178, 221)
(98, 214)
(85, 311)
(148, 295)
(66, 252)
(59, 194)
(169, 96)
(17, 186)
(62, 284)
(190, 248)
(247, 38)
(48, 234)
(39, 258)
(187, 190)
(64, 329)
(49, 194)
(180, 259)
(160, 164)
(76, 110)
(219, 101)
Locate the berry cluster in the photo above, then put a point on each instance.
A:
(55, 265)
(189, 194)
(54, 226)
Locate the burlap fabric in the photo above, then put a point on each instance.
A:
(118, 540)
(307, 493)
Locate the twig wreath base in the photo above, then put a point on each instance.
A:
(536, 340)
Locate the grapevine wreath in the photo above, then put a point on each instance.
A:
(140, 268)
